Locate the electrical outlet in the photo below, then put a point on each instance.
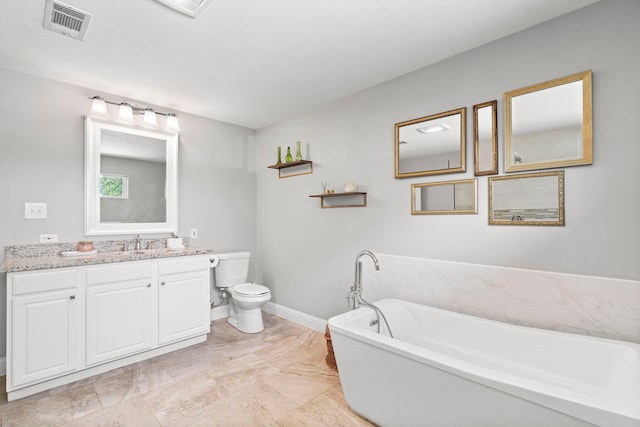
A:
(194, 233)
(48, 238)
(35, 210)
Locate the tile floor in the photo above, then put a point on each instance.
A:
(276, 378)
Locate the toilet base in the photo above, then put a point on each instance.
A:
(247, 321)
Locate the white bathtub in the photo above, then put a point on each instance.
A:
(450, 369)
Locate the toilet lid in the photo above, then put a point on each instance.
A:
(250, 289)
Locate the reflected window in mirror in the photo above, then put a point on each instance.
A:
(549, 125)
(114, 186)
(485, 138)
(431, 145)
(447, 197)
(130, 179)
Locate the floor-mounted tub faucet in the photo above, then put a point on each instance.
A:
(355, 295)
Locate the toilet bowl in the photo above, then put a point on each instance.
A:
(245, 311)
(246, 299)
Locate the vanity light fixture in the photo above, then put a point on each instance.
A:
(150, 118)
(99, 106)
(437, 128)
(172, 122)
(127, 113)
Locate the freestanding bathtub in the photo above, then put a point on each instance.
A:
(450, 369)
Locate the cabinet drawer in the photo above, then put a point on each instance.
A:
(182, 264)
(119, 272)
(43, 281)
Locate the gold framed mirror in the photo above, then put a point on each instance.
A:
(548, 125)
(485, 138)
(527, 199)
(447, 197)
(431, 145)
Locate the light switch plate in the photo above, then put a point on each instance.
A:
(35, 210)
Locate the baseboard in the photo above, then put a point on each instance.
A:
(3, 366)
(296, 316)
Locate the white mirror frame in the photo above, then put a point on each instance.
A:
(92, 224)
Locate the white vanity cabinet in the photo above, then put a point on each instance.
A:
(183, 300)
(65, 324)
(120, 310)
(43, 321)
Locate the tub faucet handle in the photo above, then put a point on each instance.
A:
(352, 297)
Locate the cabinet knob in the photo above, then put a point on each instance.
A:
(72, 297)
(161, 283)
(148, 285)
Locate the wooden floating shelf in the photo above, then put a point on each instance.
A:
(291, 165)
(322, 198)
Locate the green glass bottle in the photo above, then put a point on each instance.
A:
(298, 152)
(288, 158)
(279, 162)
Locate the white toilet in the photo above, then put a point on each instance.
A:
(246, 298)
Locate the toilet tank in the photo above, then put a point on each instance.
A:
(232, 268)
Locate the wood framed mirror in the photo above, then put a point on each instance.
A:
(447, 197)
(485, 138)
(549, 125)
(131, 179)
(431, 145)
(527, 199)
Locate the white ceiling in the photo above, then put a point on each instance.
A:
(255, 62)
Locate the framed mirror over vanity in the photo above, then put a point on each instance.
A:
(131, 176)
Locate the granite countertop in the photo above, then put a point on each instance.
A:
(45, 256)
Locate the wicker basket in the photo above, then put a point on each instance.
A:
(331, 358)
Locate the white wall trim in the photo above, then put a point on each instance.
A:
(295, 316)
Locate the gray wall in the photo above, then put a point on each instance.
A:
(307, 253)
(42, 160)
(146, 184)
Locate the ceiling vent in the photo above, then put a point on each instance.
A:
(64, 19)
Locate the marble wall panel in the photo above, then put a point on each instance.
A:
(588, 305)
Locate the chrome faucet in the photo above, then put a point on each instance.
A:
(139, 242)
(355, 294)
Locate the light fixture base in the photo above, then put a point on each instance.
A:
(191, 8)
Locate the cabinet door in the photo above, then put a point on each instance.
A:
(119, 320)
(184, 306)
(44, 331)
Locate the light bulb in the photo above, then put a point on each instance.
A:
(172, 122)
(99, 106)
(125, 113)
(149, 118)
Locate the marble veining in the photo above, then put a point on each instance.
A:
(588, 305)
(47, 255)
